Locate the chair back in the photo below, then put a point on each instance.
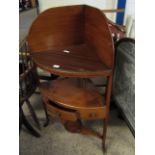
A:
(28, 80)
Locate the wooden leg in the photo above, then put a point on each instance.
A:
(108, 96)
(104, 134)
(33, 113)
(46, 113)
(25, 122)
(77, 127)
(30, 128)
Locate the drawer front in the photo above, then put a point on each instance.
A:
(92, 114)
(62, 114)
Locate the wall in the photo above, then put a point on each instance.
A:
(130, 18)
(101, 4)
(130, 8)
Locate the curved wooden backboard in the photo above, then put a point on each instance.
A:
(66, 26)
(57, 27)
(98, 36)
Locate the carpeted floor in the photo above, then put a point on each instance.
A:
(55, 140)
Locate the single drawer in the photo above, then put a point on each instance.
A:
(62, 113)
(93, 113)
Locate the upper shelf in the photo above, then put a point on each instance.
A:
(72, 41)
(73, 61)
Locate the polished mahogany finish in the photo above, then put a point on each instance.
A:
(76, 95)
(80, 61)
(75, 43)
(57, 27)
(82, 31)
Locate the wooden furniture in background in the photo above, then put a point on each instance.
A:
(28, 82)
(75, 43)
(118, 31)
(33, 3)
(24, 5)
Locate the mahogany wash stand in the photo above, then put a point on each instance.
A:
(75, 43)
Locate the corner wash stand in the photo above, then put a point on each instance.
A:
(75, 43)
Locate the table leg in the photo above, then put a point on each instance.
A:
(25, 122)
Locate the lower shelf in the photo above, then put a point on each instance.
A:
(72, 99)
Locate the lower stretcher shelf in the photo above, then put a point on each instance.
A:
(72, 98)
